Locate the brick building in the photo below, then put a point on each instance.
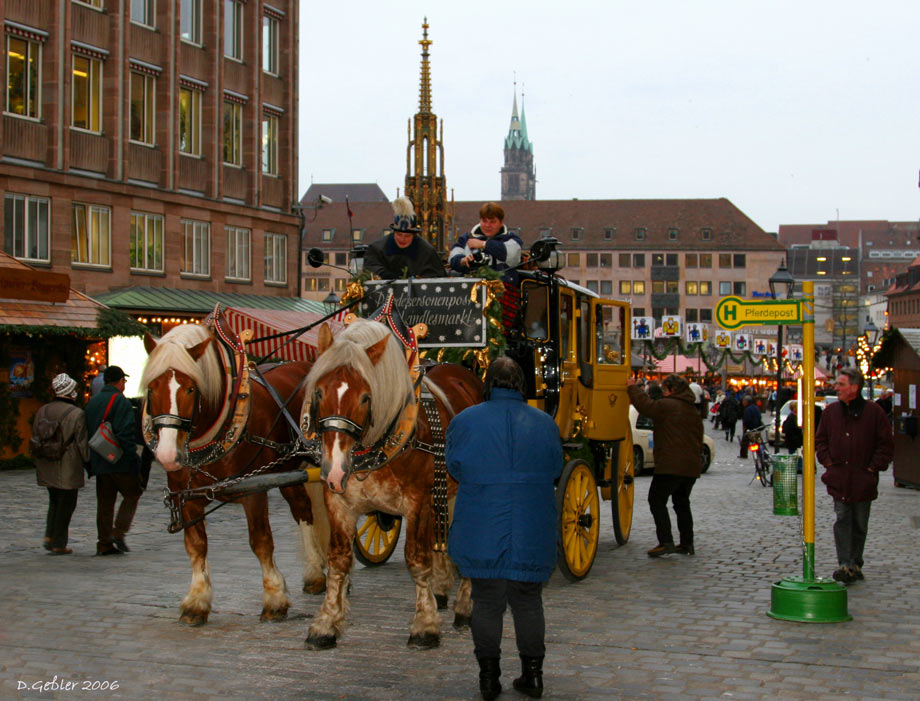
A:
(904, 298)
(152, 144)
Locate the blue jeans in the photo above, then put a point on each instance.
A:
(850, 531)
(490, 598)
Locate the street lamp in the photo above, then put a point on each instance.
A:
(331, 302)
(781, 281)
(870, 328)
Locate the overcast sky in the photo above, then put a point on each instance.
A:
(795, 111)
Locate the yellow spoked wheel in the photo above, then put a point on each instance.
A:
(621, 503)
(376, 537)
(579, 519)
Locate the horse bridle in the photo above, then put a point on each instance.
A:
(181, 423)
(339, 424)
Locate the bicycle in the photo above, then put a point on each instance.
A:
(757, 445)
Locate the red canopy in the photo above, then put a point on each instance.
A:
(683, 364)
(267, 322)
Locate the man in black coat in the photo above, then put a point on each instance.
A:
(750, 419)
(403, 253)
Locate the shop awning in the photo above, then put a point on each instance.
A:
(267, 322)
(163, 300)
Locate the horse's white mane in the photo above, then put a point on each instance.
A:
(389, 379)
(171, 353)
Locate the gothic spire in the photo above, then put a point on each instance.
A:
(517, 131)
(424, 97)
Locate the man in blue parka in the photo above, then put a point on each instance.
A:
(506, 456)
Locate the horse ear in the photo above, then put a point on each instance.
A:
(375, 352)
(198, 350)
(325, 337)
(149, 343)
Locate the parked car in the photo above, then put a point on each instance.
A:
(643, 444)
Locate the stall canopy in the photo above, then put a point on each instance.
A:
(666, 365)
(267, 322)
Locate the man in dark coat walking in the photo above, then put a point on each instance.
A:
(121, 477)
(854, 443)
(506, 456)
(678, 436)
(750, 419)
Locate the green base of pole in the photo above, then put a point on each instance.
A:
(817, 601)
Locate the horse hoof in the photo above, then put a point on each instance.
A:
(316, 587)
(461, 621)
(319, 642)
(273, 616)
(425, 641)
(441, 600)
(193, 619)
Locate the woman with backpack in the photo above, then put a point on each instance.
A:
(59, 446)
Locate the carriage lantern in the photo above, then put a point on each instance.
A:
(356, 265)
(546, 255)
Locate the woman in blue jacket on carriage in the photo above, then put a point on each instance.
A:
(506, 456)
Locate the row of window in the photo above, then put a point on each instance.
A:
(905, 306)
(692, 288)
(26, 236)
(637, 260)
(191, 26)
(639, 233)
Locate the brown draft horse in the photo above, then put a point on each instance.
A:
(199, 434)
(357, 391)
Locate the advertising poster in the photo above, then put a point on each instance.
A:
(22, 373)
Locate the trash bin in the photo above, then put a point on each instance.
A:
(785, 485)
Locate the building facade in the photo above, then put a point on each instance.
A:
(519, 176)
(152, 143)
(904, 298)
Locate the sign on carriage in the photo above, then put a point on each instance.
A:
(453, 308)
(642, 328)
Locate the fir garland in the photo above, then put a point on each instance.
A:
(693, 350)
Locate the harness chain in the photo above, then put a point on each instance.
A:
(439, 488)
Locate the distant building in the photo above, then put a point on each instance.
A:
(904, 298)
(519, 177)
(338, 192)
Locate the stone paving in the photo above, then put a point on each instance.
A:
(673, 628)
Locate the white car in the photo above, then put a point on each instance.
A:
(785, 410)
(643, 444)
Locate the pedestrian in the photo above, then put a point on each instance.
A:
(403, 253)
(506, 456)
(490, 244)
(59, 446)
(750, 419)
(885, 401)
(853, 443)
(121, 477)
(729, 413)
(678, 436)
(792, 432)
(95, 387)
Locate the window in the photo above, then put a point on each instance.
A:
(270, 45)
(143, 104)
(692, 288)
(639, 288)
(606, 287)
(692, 316)
(576, 233)
(705, 316)
(606, 260)
(316, 284)
(190, 121)
(340, 258)
(238, 253)
(341, 284)
(545, 233)
(706, 234)
(625, 287)
(725, 288)
(91, 3)
(25, 230)
(144, 12)
(233, 29)
(590, 260)
(638, 311)
(609, 234)
(673, 287)
(328, 234)
(725, 260)
(573, 260)
(196, 249)
(146, 242)
(739, 260)
(640, 234)
(657, 287)
(92, 234)
(233, 133)
(87, 93)
(592, 285)
(658, 259)
(638, 260)
(690, 260)
(705, 260)
(673, 234)
(190, 21)
(671, 259)
(357, 235)
(269, 144)
(276, 258)
(739, 288)
(625, 260)
(23, 77)
(705, 288)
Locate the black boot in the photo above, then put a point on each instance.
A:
(489, 672)
(531, 680)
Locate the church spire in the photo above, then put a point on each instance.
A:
(424, 95)
(519, 177)
(517, 130)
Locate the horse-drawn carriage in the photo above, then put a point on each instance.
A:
(359, 414)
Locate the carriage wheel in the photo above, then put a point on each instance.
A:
(579, 519)
(621, 505)
(376, 537)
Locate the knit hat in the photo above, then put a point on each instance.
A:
(404, 219)
(64, 385)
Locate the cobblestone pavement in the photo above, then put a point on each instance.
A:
(674, 628)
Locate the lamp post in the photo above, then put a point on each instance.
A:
(780, 281)
(300, 209)
(331, 302)
(870, 328)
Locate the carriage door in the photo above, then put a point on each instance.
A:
(608, 404)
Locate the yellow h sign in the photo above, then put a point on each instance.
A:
(734, 312)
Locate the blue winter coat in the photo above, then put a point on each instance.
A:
(506, 455)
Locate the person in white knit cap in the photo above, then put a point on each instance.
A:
(59, 446)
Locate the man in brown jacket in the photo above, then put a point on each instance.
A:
(854, 443)
(678, 436)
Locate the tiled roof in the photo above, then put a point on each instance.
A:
(729, 227)
(880, 233)
(337, 192)
(161, 299)
(78, 312)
